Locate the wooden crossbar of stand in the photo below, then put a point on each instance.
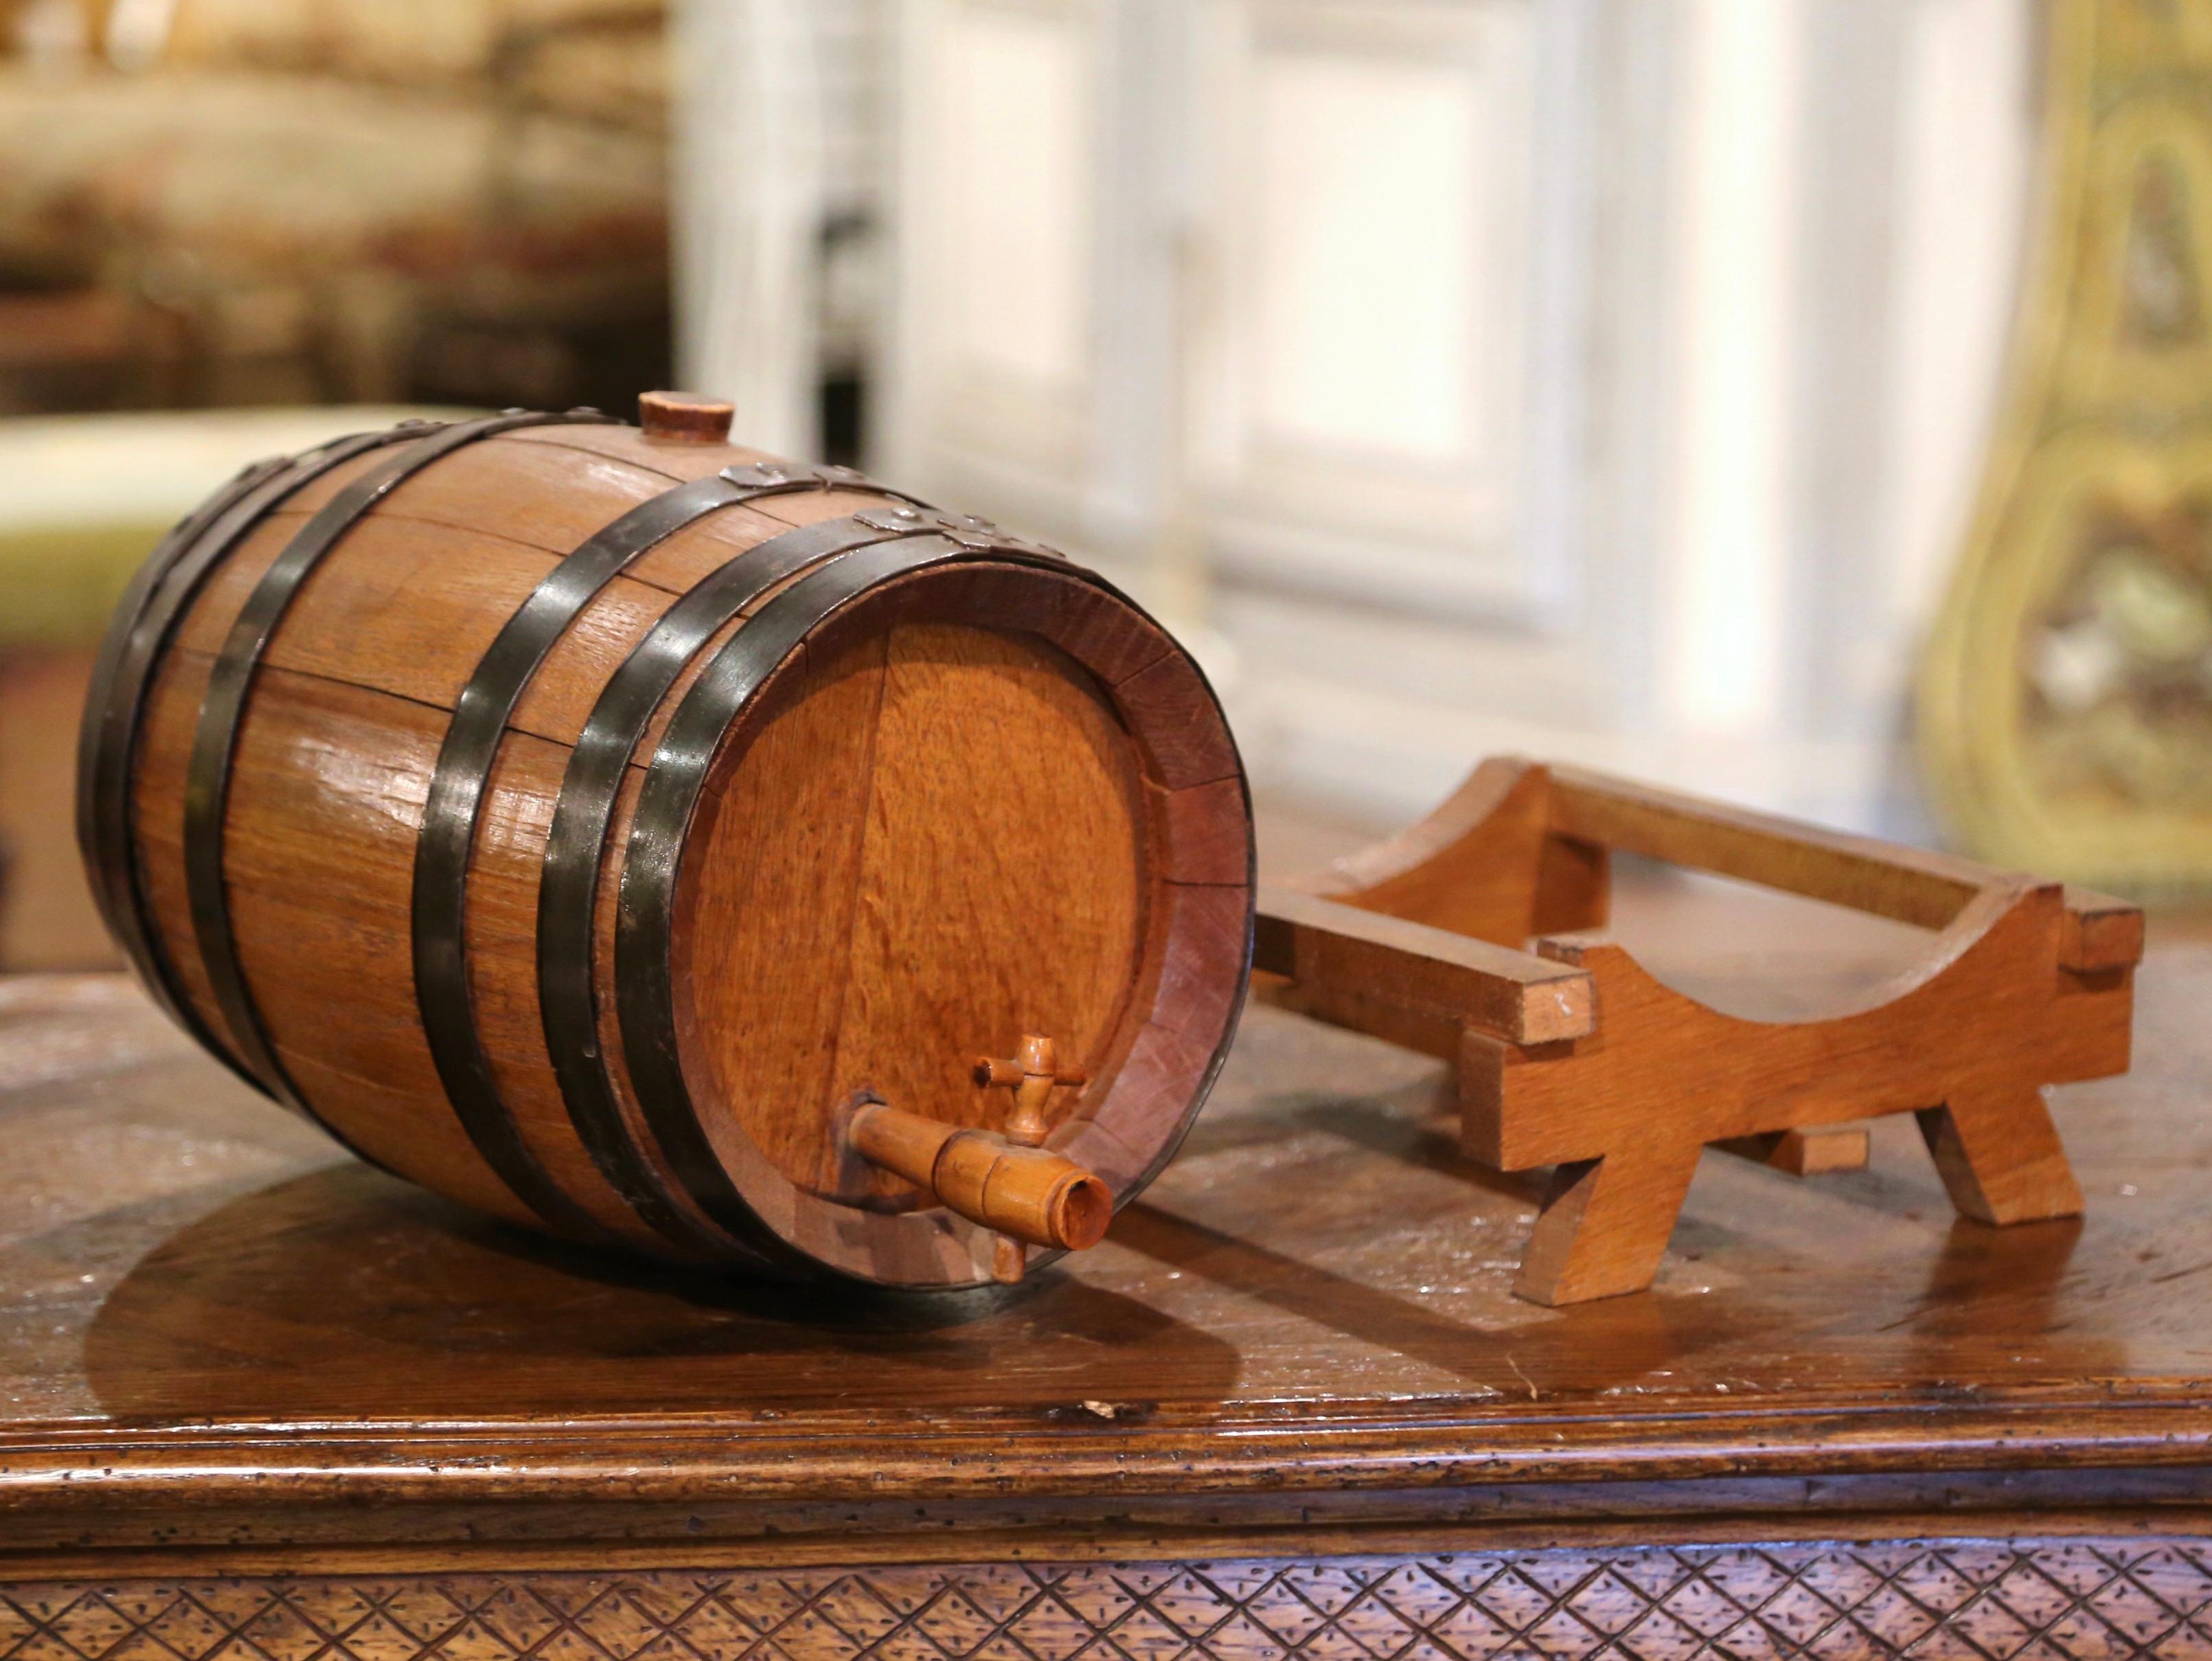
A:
(1571, 1055)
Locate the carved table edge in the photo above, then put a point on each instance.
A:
(676, 1461)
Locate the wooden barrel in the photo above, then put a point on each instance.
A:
(595, 825)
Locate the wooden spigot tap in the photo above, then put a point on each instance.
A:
(1024, 1193)
(1004, 1180)
(1032, 1075)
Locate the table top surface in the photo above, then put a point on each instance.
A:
(198, 1293)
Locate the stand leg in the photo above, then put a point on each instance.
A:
(2000, 1157)
(1605, 1224)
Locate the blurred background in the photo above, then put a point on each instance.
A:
(1605, 379)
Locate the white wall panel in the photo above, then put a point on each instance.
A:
(1600, 378)
(1966, 99)
(1364, 262)
(750, 199)
(1360, 337)
(997, 241)
(1737, 194)
(1016, 153)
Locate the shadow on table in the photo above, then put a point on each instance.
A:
(1775, 1284)
(345, 1291)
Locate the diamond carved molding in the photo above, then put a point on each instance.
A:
(2035, 1599)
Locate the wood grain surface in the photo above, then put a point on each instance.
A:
(948, 822)
(1572, 1056)
(219, 1335)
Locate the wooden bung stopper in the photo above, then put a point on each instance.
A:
(1025, 1192)
(684, 417)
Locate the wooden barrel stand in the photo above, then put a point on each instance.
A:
(585, 821)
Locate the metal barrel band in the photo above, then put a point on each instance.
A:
(568, 887)
(115, 703)
(207, 785)
(157, 595)
(645, 919)
(457, 785)
(101, 718)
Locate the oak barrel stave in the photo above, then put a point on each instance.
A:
(351, 624)
(216, 733)
(349, 706)
(146, 618)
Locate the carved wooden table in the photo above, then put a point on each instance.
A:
(260, 1403)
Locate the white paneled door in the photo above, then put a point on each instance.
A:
(1599, 378)
(1359, 359)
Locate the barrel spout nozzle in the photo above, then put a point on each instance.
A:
(1027, 1194)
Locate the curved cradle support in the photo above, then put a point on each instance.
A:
(1572, 1056)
